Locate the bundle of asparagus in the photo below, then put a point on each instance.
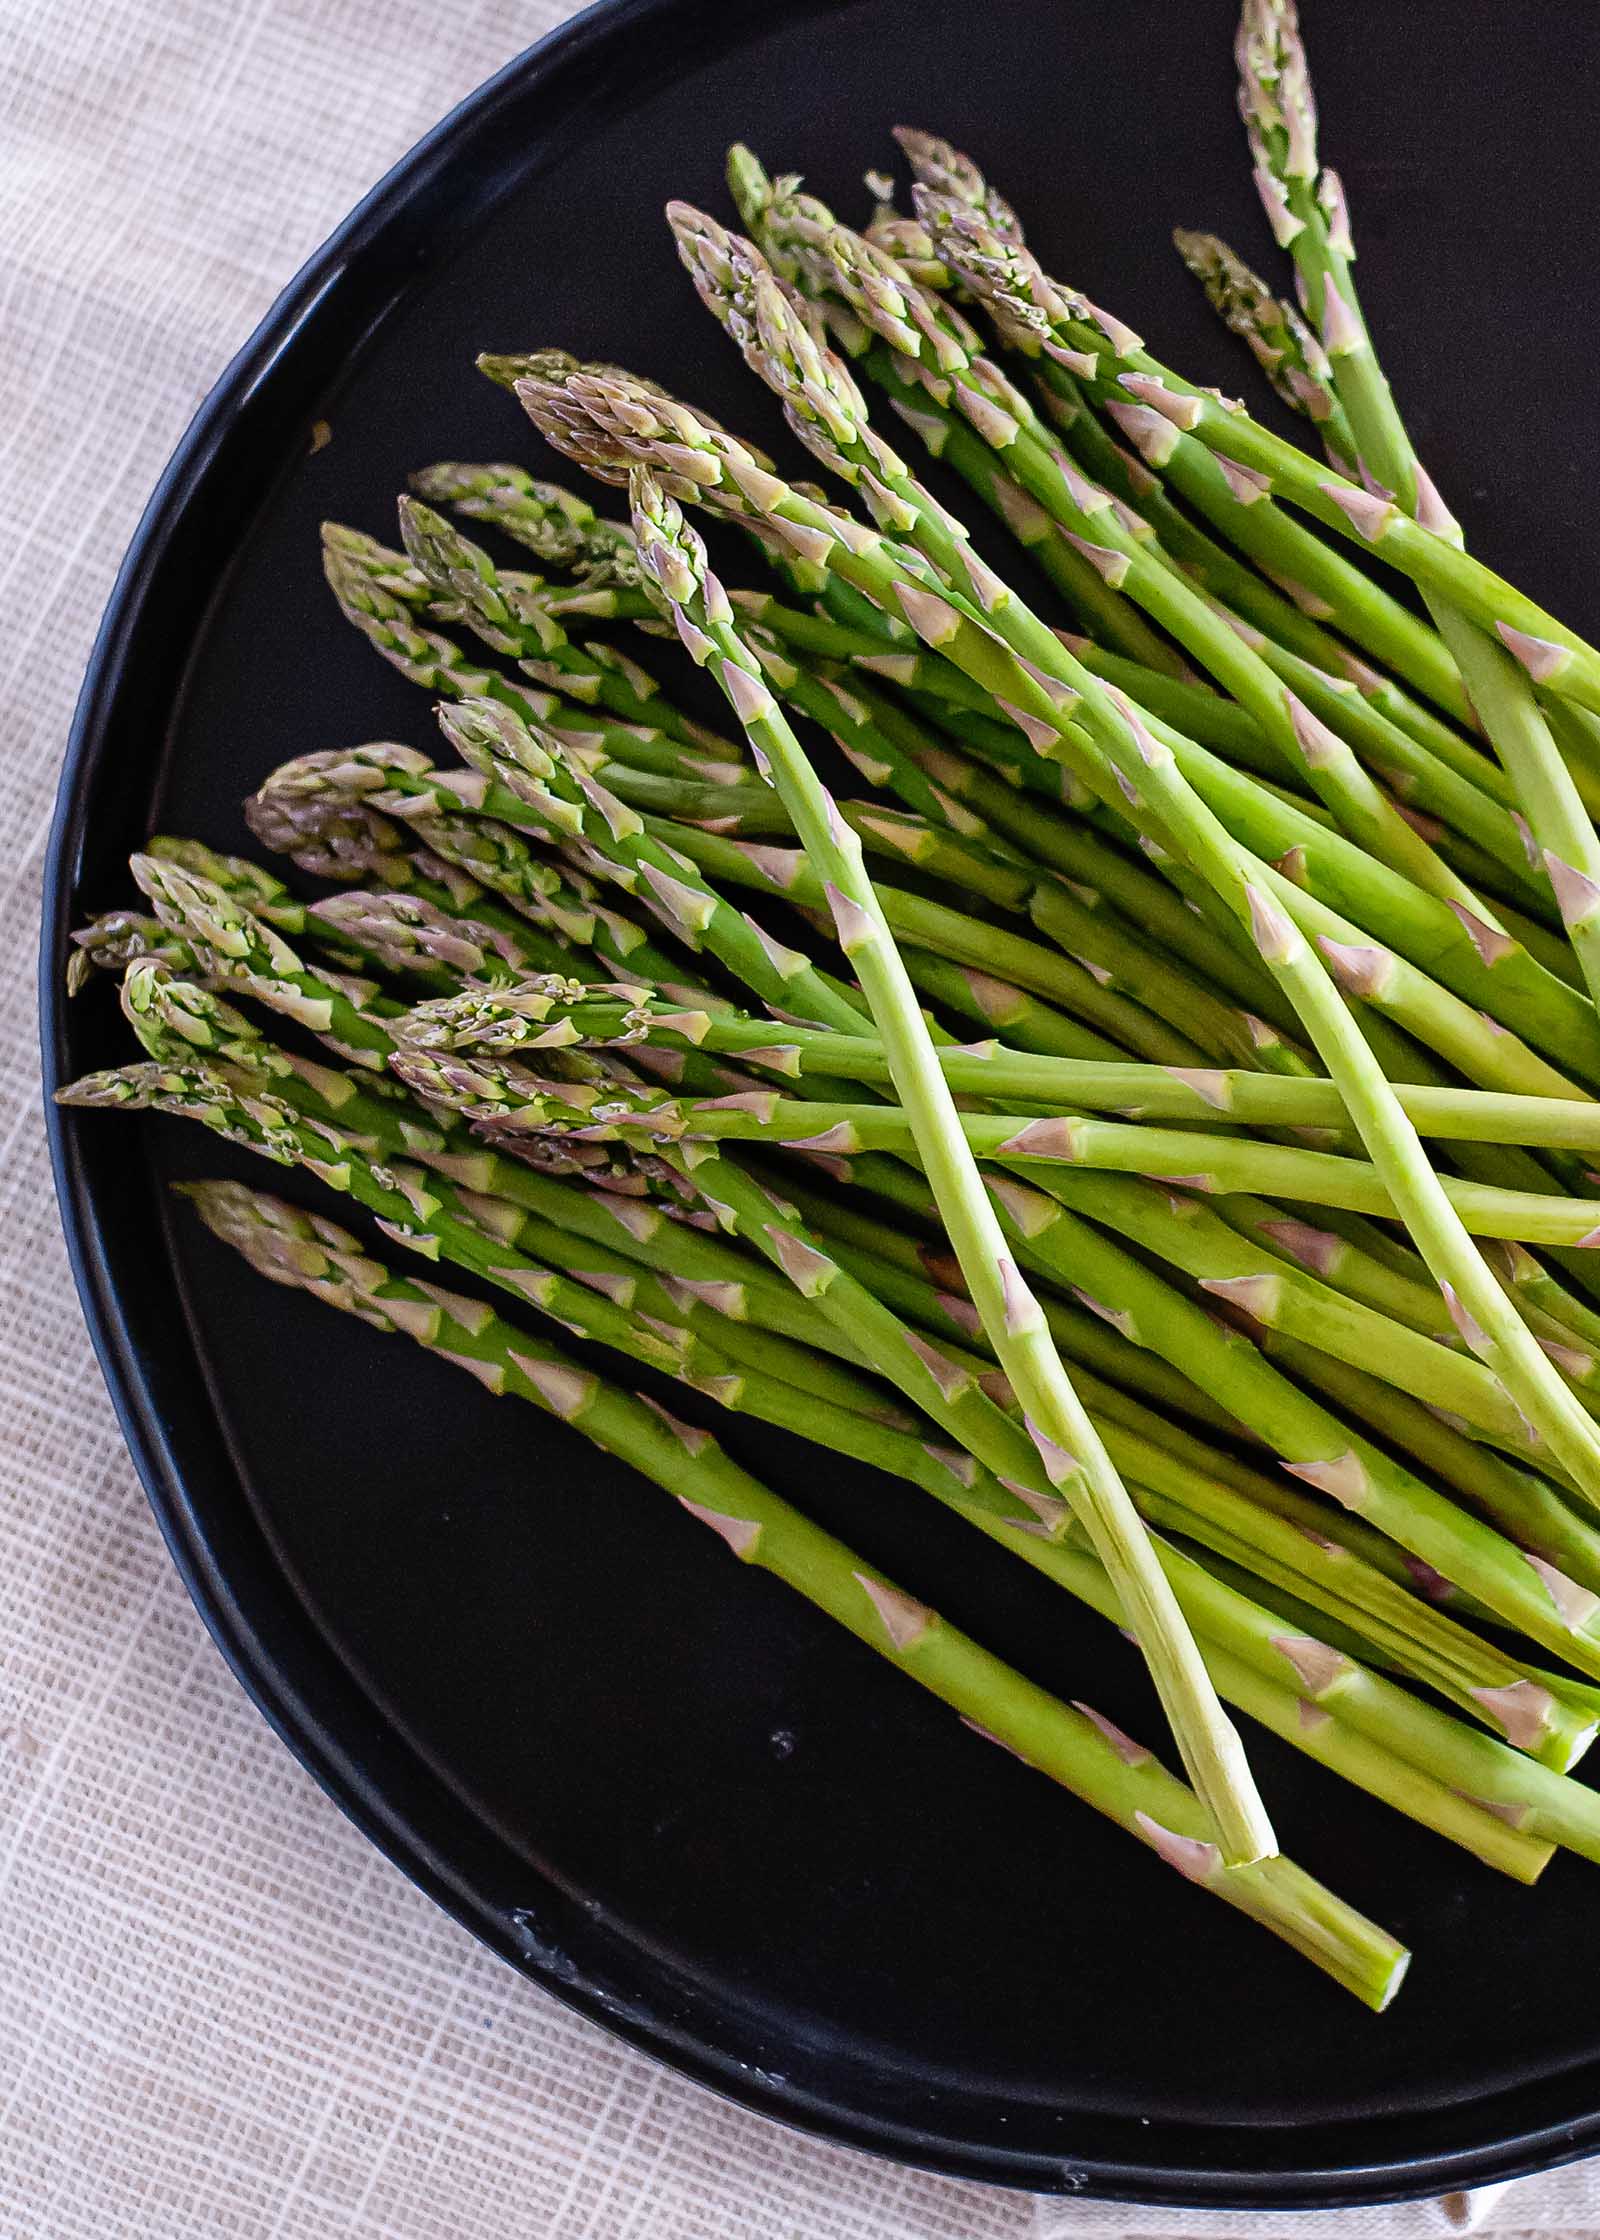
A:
(1175, 1157)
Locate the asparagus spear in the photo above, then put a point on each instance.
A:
(1135, 1091)
(1082, 1753)
(578, 416)
(1190, 1161)
(601, 423)
(558, 525)
(1555, 656)
(1280, 117)
(674, 561)
(1020, 278)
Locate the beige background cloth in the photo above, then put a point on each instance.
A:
(221, 2013)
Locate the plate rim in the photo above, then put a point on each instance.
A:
(377, 220)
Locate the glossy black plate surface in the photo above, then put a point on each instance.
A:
(656, 1782)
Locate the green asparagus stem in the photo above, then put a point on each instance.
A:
(1196, 1162)
(726, 271)
(1075, 1460)
(1086, 1756)
(1113, 359)
(1146, 767)
(1275, 99)
(1137, 1092)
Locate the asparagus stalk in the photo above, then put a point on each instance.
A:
(1506, 1696)
(1286, 348)
(1146, 768)
(1075, 1461)
(1133, 1090)
(631, 1254)
(388, 597)
(726, 270)
(1280, 117)
(1084, 1754)
(1190, 1161)
(465, 577)
(1121, 368)
(1020, 280)
(1252, 1281)
(601, 423)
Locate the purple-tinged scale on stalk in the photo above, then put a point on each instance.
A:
(1209, 1083)
(689, 1436)
(566, 1392)
(905, 1620)
(1577, 895)
(1317, 1249)
(1247, 484)
(1342, 331)
(991, 591)
(1117, 332)
(1344, 1479)
(490, 1374)
(1040, 734)
(1152, 753)
(1060, 1466)
(1195, 1860)
(998, 428)
(1431, 511)
(1130, 1752)
(1301, 595)
(1314, 1664)
(1286, 227)
(473, 1316)
(1490, 944)
(934, 620)
(1185, 412)
(1119, 1318)
(1023, 1313)
(748, 695)
(1361, 969)
(1029, 1211)
(998, 1000)
(842, 1137)
(809, 1270)
(1153, 435)
(1055, 689)
(1473, 1335)
(1258, 1297)
(1521, 1710)
(857, 928)
(1051, 1138)
(1139, 477)
(955, 1461)
(1272, 930)
(1335, 213)
(1050, 1514)
(415, 1318)
(951, 1380)
(1368, 514)
(1318, 745)
(961, 1312)
(723, 1296)
(690, 910)
(1109, 564)
(1574, 1605)
(742, 1534)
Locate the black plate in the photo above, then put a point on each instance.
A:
(658, 1784)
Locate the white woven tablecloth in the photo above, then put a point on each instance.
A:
(221, 2013)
